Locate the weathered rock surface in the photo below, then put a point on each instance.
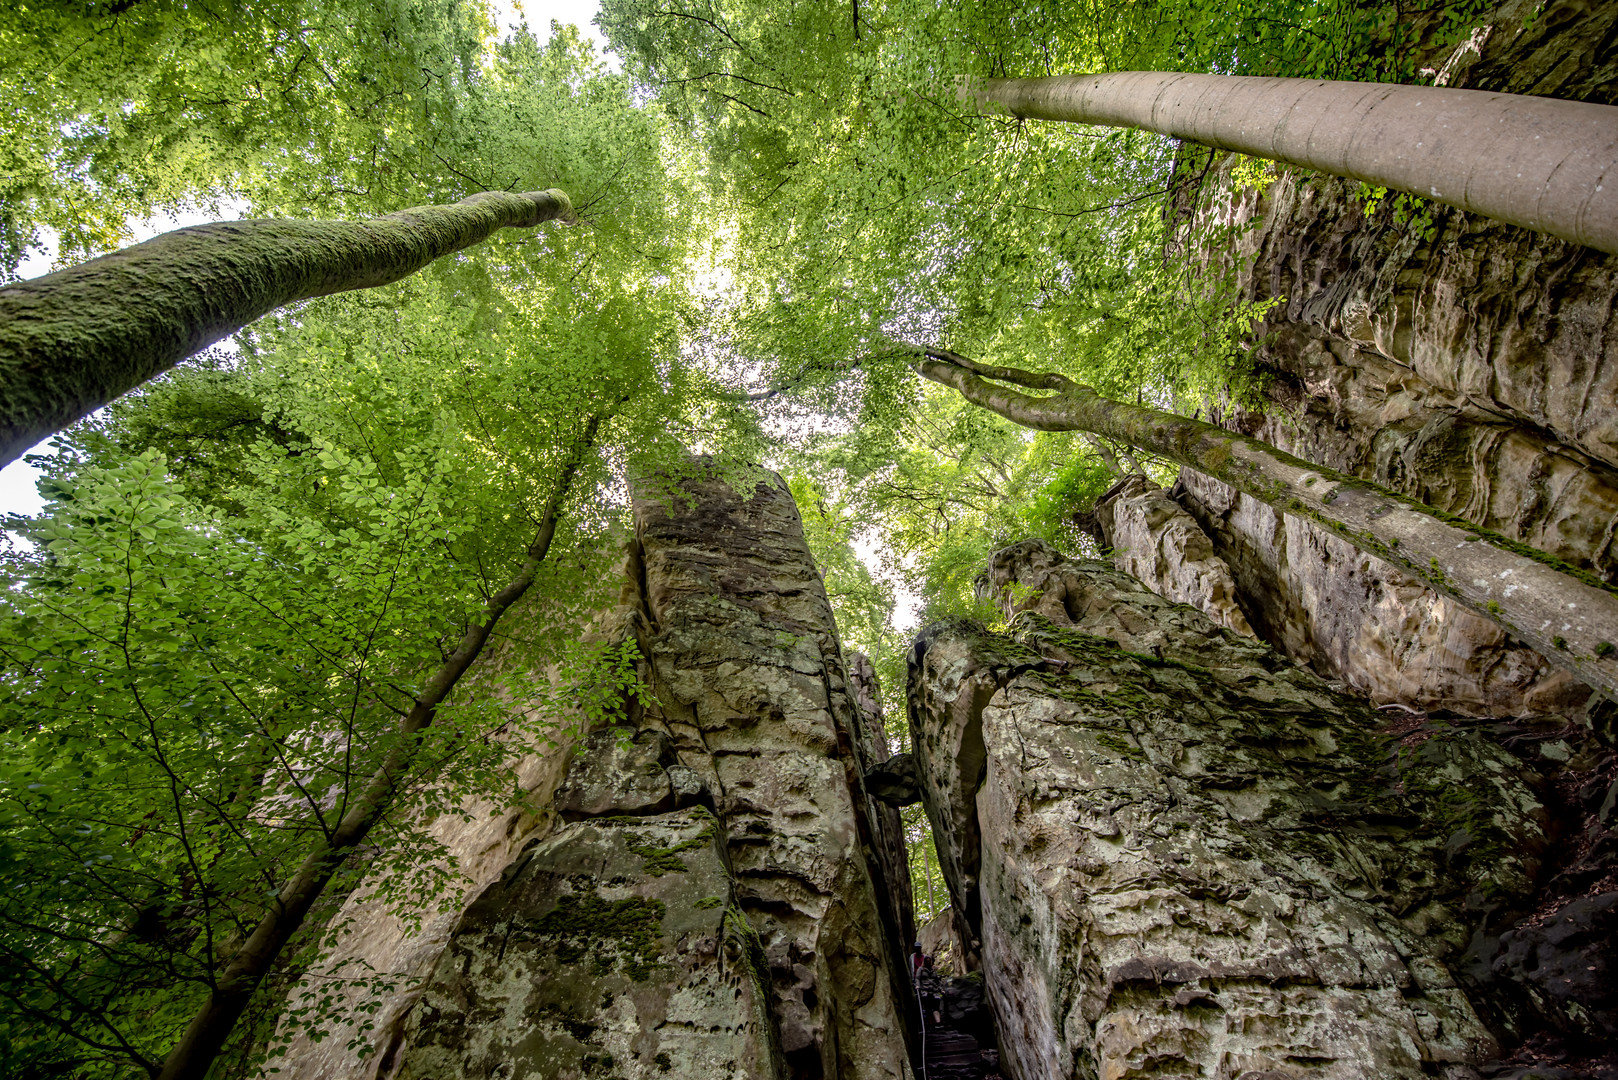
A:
(1152, 538)
(894, 781)
(1175, 852)
(1487, 320)
(709, 890)
(611, 948)
(616, 773)
(874, 755)
(1566, 962)
(1352, 409)
(1469, 364)
(755, 695)
(938, 940)
(1356, 619)
(376, 970)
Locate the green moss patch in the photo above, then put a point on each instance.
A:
(611, 934)
(1120, 746)
(666, 860)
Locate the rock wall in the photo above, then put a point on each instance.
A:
(1152, 538)
(1175, 852)
(723, 898)
(1357, 619)
(756, 697)
(704, 891)
(1469, 364)
(375, 971)
(1321, 601)
(875, 759)
(1464, 315)
(611, 948)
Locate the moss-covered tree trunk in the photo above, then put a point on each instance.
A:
(1567, 614)
(1541, 163)
(74, 340)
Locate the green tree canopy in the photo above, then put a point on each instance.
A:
(248, 569)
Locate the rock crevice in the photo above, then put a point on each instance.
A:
(725, 897)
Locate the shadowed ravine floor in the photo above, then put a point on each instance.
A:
(961, 1045)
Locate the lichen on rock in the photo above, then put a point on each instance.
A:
(580, 961)
(1175, 850)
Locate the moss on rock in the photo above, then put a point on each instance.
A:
(612, 934)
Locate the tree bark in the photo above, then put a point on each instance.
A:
(1568, 615)
(74, 340)
(1108, 458)
(205, 1036)
(1542, 163)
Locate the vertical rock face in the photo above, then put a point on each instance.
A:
(381, 957)
(612, 948)
(755, 696)
(1152, 538)
(1174, 852)
(1357, 619)
(1464, 362)
(1321, 601)
(724, 899)
(888, 836)
(1464, 315)
(1346, 406)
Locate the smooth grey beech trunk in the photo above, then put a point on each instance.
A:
(1542, 163)
(1566, 614)
(193, 1055)
(74, 340)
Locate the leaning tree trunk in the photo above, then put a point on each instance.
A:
(1568, 615)
(205, 1036)
(74, 340)
(1542, 163)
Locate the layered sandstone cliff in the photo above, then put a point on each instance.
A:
(1175, 852)
(706, 890)
(1464, 362)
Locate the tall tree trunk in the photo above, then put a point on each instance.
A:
(1541, 163)
(74, 340)
(205, 1036)
(1567, 614)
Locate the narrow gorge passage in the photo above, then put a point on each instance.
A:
(1168, 849)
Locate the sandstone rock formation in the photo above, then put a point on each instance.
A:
(1174, 851)
(938, 940)
(1461, 361)
(1152, 538)
(613, 947)
(382, 956)
(714, 893)
(1357, 619)
(755, 695)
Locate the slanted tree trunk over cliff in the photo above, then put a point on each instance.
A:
(1541, 163)
(1567, 615)
(74, 340)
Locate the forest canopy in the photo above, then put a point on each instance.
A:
(250, 572)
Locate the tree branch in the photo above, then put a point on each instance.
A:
(1568, 615)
